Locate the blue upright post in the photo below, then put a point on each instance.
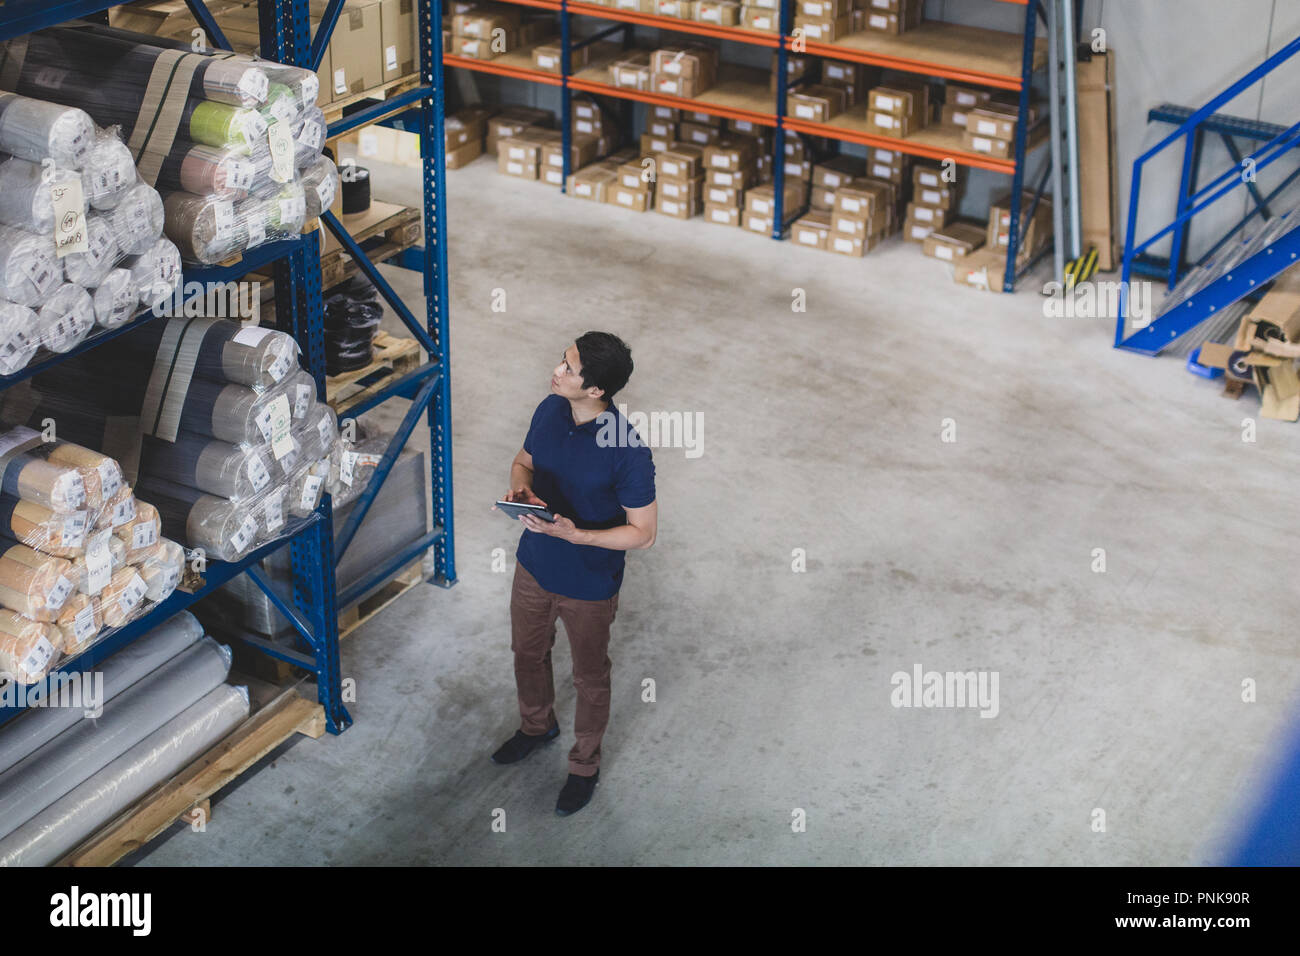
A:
(433, 160)
(1186, 191)
(566, 105)
(1022, 136)
(778, 135)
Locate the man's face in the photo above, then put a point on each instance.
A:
(566, 380)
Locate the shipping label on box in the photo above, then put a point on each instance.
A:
(916, 231)
(681, 188)
(637, 200)
(756, 223)
(721, 214)
(397, 27)
(811, 230)
(932, 215)
(990, 122)
(725, 13)
(724, 196)
(999, 148)
(682, 207)
(954, 116)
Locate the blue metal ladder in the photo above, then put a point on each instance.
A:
(1241, 261)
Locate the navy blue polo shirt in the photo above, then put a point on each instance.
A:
(590, 482)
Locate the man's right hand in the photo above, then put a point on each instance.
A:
(524, 495)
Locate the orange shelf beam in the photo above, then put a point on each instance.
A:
(910, 147)
(492, 66)
(676, 102)
(831, 51)
(736, 34)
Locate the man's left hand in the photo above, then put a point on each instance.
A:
(561, 527)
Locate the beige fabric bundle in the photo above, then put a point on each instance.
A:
(121, 599)
(28, 649)
(34, 584)
(36, 526)
(162, 569)
(79, 622)
(142, 533)
(101, 474)
(80, 572)
(117, 509)
(58, 487)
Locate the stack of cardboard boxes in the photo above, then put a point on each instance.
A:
(463, 134)
(824, 21)
(850, 212)
(527, 147)
(958, 102)
(984, 268)
(764, 15)
(685, 71)
(934, 205)
(732, 169)
(483, 31)
(892, 16)
(899, 109)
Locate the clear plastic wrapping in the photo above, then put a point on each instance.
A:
(109, 170)
(27, 648)
(226, 530)
(320, 183)
(26, 201)
(34, 129)
(19, 337)
(235, 471)
(29, 266)
(66, 318)
(137, 219)
(35, 585)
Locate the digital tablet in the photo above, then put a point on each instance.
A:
(516, 508)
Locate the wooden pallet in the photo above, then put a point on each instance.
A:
(334, 111)
(393, 357)
(353, 617)
(189, 792)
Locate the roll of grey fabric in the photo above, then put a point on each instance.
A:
(40, 778)
(137, 219)
(29, 266)
(217, 467)
(116, 299)
(25, 198)
(109, 171)
(88, 268)
(34, 129)
(40, 724)
(66, 318)
(226, 530)
(63, 825)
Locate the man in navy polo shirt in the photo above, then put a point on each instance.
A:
(590, 469)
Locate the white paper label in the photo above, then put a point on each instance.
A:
(625, 199)
(243, 536)
(981, 144)
(57, 594)
(38, 658)
(345, 467)
(143, 535)
(310, 488)
(720, 216)
(280, 367)
(99, 563)
(846, 225)
(69, 217)
(325, 193)
(759, 206)
(514, 169)
(72, 534)
(301, 400)
(254, 127)
(274, 511)
(805, 111)
(240, 175)
(582, 189)
(257, 472)
(340, 82)
(281, 419)
(390, 57)
(132, 594)
(878, 22)
(809, 237)
(292, 210)
(987, 127)
(882, 172)
(942, 252)
(843, 245)
(83, 624)
(254, 84)
(324, 429)
(251, 335)
(256, 231)
(923, 214)
(289, 460)
(223, 218)
(545, 62)
(281, 142)
(40, 270)
(263, 422)
(933, 196)
(310, 134)
(124, 511)
(888, 103)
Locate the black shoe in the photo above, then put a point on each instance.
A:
(521, 745)
(576, 794)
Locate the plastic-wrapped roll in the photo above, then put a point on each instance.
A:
(256, 356)
(60, 827)
(34, 129)
(35, 585)
(25, 199)
(81, 619)
(122, 670)
(230, 413)
(122, 599)
(98, 470)
(216, 467)
(109, 171)
(29, 266)
(320, 182)
(318, 432)
(306, 486)
(32, 524)
(223, 126)
(287, 211)
(89, 268)
(92, 572)
(162, 569)
(304, 84)
(66, 318)
(137, 220)
(282, 467)
(207, 171)
(282, 106)
(142, 533)
(40, 778)
(55, 486)
(156, 272)
(116, 299)
(28, 649)
(205, 229)
(272, 511)
(118, 509)
(224, 529)
(19, 337)
(308, 137)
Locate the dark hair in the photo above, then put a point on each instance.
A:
(606, 362)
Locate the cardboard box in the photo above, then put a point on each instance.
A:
(671, 85)
(690, 62)
(635, 6)
(681, 9)
(965, 97)
(397, 32)
(900, 101)
(722, 215)
(821, 197)
(464, 126)
(824, 29)
(636, 174)
(728, 196)
(583, 150)
(998, 148)
(724, 13)
(756, 223)
(954, 115)
(761, 200)
(682, 161)
(801, 170)
(980, 269)
(954, 241)
(637, 200)
(731, 156)
(862, 199)
(767, 20)
(547, 57)
(944, 197)
(464, 154)
(682, 189)
(513, 120)
(899, 126)
(816, 103)
(856, 246)
(740, 179)
(824, 8)
(632, 72)
(991, 122)
(838, 171)
(931, 177)
(839, 71)
(517, 157)
(683, 207)
(930, 215)
(1098, 164)
(843, 224)
(483, 22)
(655, 144)
(882, 22)
(812, 229)
(356, 53)
(697, 134)
(592, 182)
(797, 67)
(1034, 231)
(914, 231)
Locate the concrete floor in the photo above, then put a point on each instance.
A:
(1118, 690)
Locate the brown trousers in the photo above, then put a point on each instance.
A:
(533, 611)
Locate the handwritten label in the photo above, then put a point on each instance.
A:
(69, 217)
(99, 563)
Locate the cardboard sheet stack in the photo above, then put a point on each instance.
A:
(66, 185)
(227, 438)
(70, 766)
(233, 143)
(80, 553)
